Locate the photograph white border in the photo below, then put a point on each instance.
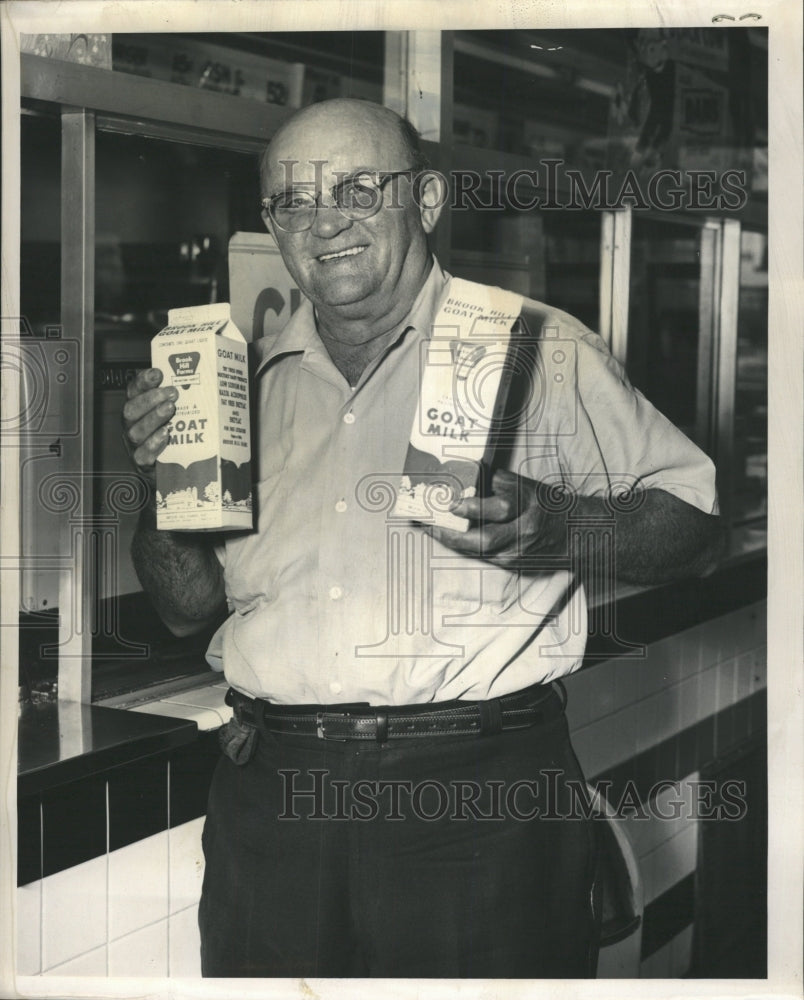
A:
(783, 18)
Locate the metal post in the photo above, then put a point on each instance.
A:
(728, 299)
(77, 316)
(615, 274)
(708, 327)
(412, 83)
(418, 83)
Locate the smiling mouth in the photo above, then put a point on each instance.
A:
(351, 252)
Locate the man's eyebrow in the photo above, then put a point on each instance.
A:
(340, 175)
(293, 187)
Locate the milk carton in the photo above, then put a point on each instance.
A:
(465, 371)
(203, 476)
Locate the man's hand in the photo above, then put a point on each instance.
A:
(148, 410)
(515, 522)
(179, 570)
(656, 537)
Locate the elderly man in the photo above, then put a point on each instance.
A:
(395, 796)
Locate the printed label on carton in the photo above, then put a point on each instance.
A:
(203, 475)
(464, 374)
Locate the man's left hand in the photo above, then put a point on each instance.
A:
(511, 523)
(655, 540)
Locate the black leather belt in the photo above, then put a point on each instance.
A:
(533, 706)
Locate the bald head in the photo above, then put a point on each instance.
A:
(357, 123)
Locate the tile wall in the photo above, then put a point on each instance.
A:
(122, 899)
(121, 864)
(650, 721)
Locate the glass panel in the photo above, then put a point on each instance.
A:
(617, 99)
(291, 69)
(549, 256)
(165, 212)
(749, 498)
(538, 94)
(48, 366)
(40, 251)
(663, 321)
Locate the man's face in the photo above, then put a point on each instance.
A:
(361, 268)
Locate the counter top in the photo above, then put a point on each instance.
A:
(63, 741)
(60, 742)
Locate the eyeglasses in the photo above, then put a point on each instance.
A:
(357, 197)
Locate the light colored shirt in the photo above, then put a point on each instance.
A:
(335, 601)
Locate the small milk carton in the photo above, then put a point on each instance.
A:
(465, 373)
(203, 475)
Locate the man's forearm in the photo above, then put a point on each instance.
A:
(657, 539)
(181, 574)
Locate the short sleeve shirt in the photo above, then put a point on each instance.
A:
(334, 600)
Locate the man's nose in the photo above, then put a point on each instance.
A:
(329, 222)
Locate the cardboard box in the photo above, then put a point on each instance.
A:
(203, 476)
(465, 373)
(263, 294)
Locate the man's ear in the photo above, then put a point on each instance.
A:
(431, 191)
(266, 218)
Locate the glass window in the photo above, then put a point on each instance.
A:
(749, 497)
(550, 256)
(290, 69)
(663, 323)
(165, 212)
(537, 94)
(49, 397)
(40, 250)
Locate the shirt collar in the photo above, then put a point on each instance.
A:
(300, 335)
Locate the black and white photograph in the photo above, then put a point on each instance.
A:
(401, 441)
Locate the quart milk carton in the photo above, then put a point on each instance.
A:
(203, 476)
(465, 373)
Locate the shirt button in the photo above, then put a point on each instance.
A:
(335, 593)
(348, 418)
(335, 687)
(340, 506)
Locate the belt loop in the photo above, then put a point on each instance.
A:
(490, 716)
(258, 708)
(562, 693)
(382, 727)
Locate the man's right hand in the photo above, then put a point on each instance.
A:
(148, 410)
(179, 570)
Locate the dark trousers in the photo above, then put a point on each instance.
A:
(434, 857)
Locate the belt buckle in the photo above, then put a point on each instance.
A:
(319, 727)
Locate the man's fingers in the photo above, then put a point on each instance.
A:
(509, 497)
(152, 421)
(146, 454)
(155, 401)
(478, 542)
(145, 379)
(494, 509)
(506, 482)
(147, 411)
